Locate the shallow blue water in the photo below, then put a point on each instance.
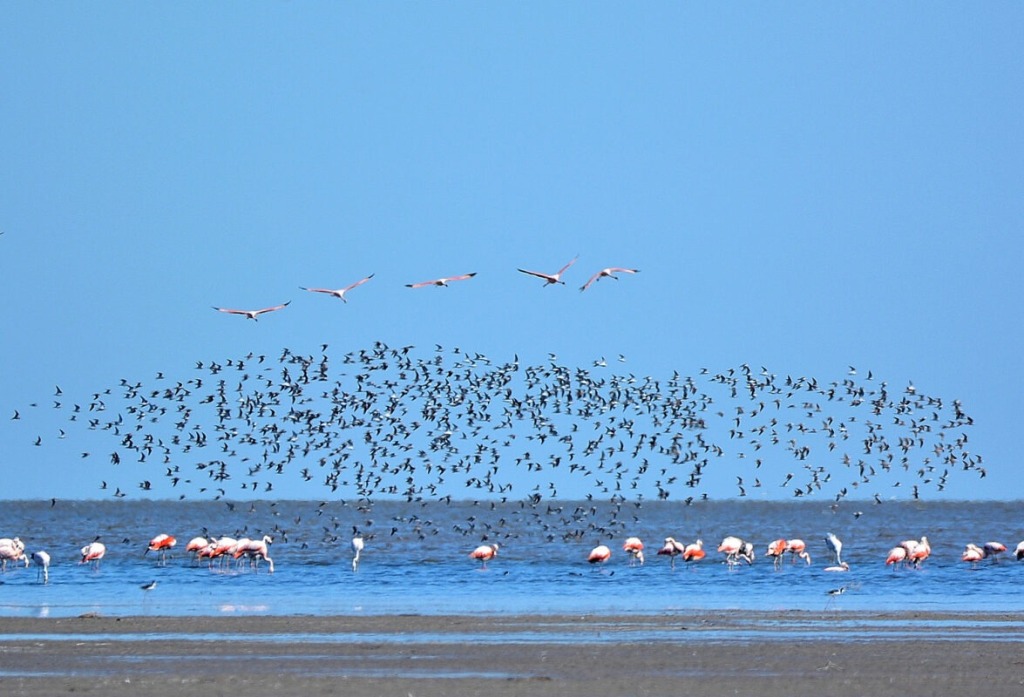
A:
(416, 558)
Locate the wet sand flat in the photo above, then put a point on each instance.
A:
(716, 653)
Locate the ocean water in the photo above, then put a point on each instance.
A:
(416, 558)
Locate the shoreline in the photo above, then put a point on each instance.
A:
(710, 653)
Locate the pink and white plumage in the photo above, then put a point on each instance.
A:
(484, 553)
(551, 278)
(609, 273)
(441, 281)
(252, 314)
(339, 292)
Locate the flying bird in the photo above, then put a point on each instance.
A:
(252, 314)
(441, 281)
(609, 272)
(340, 292)
(551, 278)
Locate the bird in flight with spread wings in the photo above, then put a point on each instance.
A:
(551, 278)
(252, 314)
(441, 281)
(340, 292)
(609, 272)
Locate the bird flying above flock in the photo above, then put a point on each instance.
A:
(339, 292)
(252, 314)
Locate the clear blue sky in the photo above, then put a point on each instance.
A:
(803, 187)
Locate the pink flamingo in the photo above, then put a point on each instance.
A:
(441, 281)
(609, 273)
(993, 549)
(972, 554)
(252, 314)
(599, 554)
(93, 552)
(897, 556)
(694, 552)
(775, 550)
(340, 292)
(1019, 551)
(254, 551)
(635, 548)
(195, 545)
(671, 549)
(161, 543)
(484, 553)
(736, 550)
(798, 548)
(11, 550)
(551, 278)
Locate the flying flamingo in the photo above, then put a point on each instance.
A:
(252, 314)
(671, 549)
(609, 273)
(441, 281)
(43, 560)
(635, 548)
(776, 549)
(93, 552)
(798, 548)
(357, 548)
(161, 543)
(484, 553)
(340, 292)
(835, 547)
(551, 278)
(599, 554)
(11, 550)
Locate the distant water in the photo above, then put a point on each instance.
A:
(416, 558)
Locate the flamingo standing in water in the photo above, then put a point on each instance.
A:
(484, 553)
(162, 543)
(196, 545)
(252, 314)
(93, 552)
(551, 279)
(835, 547)
(694, 552)
(43, 560)
(11, 550)
(972, 554)
(1019, 551)
(635, 548)
(607, 273)
(736, 550)
(993, 549)
(920, 552)
(339, 292)
(842, 566)
(671, 549)
(441, 281)
(599, 554)
(897, 557)
(798, 548)
(776, 549)
(357, 549)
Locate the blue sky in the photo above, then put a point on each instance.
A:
(805, 188)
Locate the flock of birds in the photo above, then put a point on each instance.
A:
(229, 553)
(385, 422)
(340, 293)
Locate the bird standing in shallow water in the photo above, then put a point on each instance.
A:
(484, 553)
(357, 548)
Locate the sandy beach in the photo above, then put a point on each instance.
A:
(793, 653)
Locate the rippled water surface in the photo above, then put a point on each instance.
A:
(416, 558)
